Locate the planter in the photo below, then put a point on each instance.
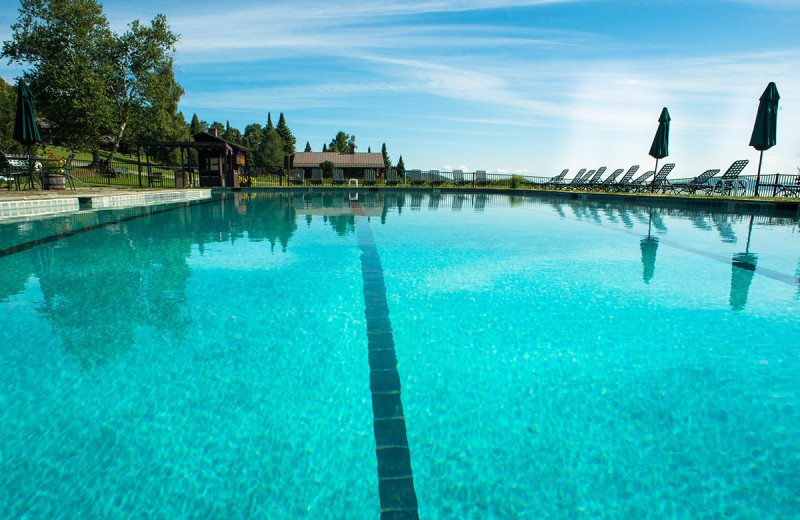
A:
(55, 181)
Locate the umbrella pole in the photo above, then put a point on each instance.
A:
(30, 166)
(654, 177)
(758, 175)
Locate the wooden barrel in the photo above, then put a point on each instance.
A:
(55, 181)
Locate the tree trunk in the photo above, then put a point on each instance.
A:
(116, 142)
(95, 158)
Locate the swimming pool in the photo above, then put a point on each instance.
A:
(557, 359)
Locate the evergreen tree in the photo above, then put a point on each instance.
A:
(308, 146)
(253, 135)
(324, 147)
(286, 136)
(232, 134)
(271, 149)
(401, 168)
(369, 149)
(197, 126)
(387, 162)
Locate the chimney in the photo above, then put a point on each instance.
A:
(213, 131)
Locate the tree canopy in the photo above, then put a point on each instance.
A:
(343, 143)
(89, 81)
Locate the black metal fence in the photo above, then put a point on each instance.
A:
(129, 174)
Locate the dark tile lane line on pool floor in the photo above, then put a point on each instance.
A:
(52, 238)
(398, 498)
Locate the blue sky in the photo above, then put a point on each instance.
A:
(500, 85)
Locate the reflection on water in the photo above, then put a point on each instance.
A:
(120, 262)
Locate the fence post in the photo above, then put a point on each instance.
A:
(139, 163)
(775, 187)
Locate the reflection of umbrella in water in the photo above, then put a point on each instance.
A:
(25, 129)
(743, 268)
(649, 247)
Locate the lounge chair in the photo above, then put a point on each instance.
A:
(699, 183)
(625, 181)
(369, 177)
(578, 183)
(458, 178)
(730, 180)
(637, 183)
(575, 179)
(659, 180)
(338, 176)
(435, 178)
(596, 177)
(298, 176)
(480, 178)
(792, 189)
(608, 180)
(557, 180)
(316, 176)
(391, 177)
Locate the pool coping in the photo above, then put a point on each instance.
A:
(717, 204)
(33, 205)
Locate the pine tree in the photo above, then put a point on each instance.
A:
(324, 148)
(286, 136)
(387, 162)
(369, 149)
(232, 134)
(271, 149)
(197, 126)
(308, 146)
(401, 168)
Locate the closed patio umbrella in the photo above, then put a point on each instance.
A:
(25, 129)
(764, 133)
(660, 147)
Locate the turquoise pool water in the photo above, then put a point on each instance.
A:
(557, 359)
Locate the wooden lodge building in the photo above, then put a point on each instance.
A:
(352, 164)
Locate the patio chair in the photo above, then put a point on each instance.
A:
(435, 178)
(608, 180)
(369, 177)
(391, 177)
(458, 178)
(316, 176)
(699, 183)
(730, 180)
(553, 182)
(625, 181)
(416, 178)
(338, 176)
(298, 176)
(480, 178)
(660, 179)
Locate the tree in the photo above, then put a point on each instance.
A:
(308, 147)
(343, 143)
(286, 136)
(89, 81)
(401, 168)
(140, 72)
(324, 148)
(218, 126)
(253, 135)
(327, 169)
(8, 103)
(65, 45)
(270, 152)
(369, 149)
(197, 126)
(232, 134)
(387, 162)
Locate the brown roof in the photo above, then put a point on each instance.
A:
(339, 160)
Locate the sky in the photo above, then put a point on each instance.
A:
(510, 86)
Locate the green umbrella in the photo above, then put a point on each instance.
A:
(765, 129)
(25, 129)
(660, 147)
